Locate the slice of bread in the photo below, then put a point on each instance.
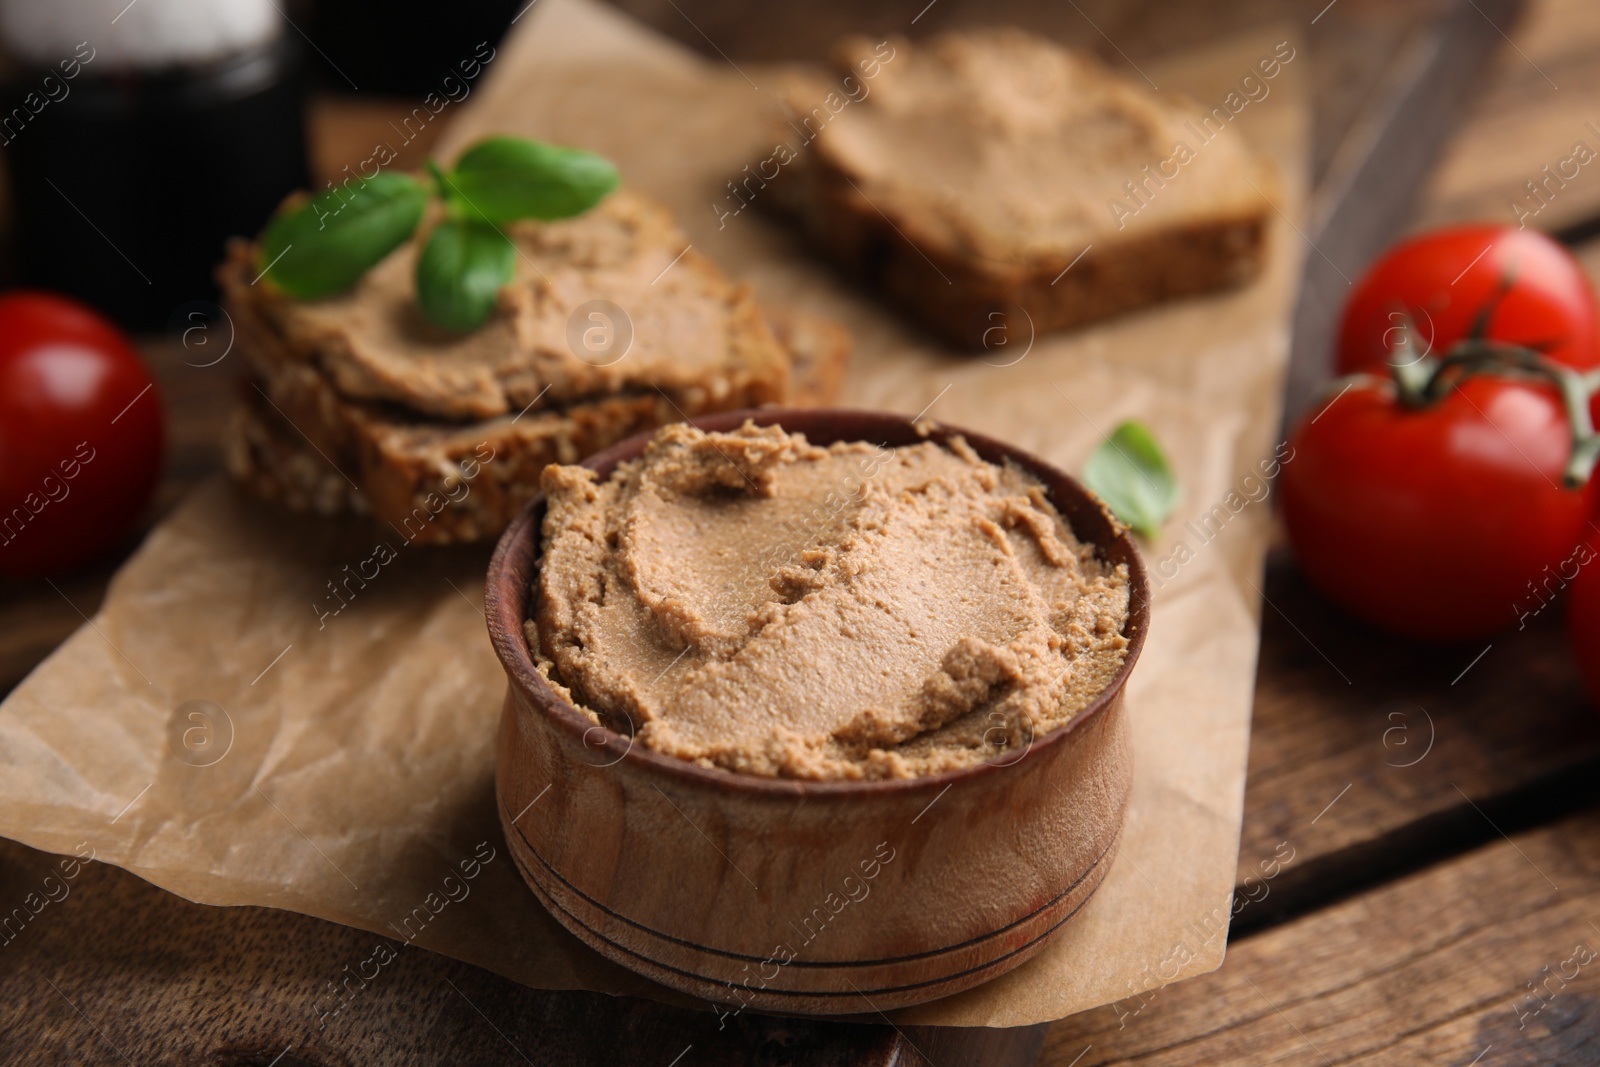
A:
(612, 325)
(991, 179)
(298, 441)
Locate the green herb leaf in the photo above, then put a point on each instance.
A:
(460, 272)
(505, 178)
(326, 244)
(1131, 475)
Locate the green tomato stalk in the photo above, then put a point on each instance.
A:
(1421, 381)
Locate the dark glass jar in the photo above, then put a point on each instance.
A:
(126, 188)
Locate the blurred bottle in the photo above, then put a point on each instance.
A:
(139, 137)
(404, 47)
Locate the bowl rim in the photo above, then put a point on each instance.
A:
(506, 601)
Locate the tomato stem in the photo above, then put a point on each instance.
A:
(1422, 380)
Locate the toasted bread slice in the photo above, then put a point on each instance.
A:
(990, 178)
(297, 441)
(612, 325)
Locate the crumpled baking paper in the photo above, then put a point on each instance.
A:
(300, 713)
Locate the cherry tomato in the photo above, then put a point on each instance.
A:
(1434, 522)
(81, 435)
(1444, 280)
(1583, 609)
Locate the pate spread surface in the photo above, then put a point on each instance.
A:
(587, 292)
(999, 145)
(750, 601)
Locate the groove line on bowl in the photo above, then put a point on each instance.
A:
(551, 902)
(885, 961)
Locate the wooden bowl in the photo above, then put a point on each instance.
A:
(808, 897)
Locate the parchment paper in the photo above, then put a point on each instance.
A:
(220, 730)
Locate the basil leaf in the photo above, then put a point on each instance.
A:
(460, 273)
(505, 178)
(326, 244)
(1129, 472)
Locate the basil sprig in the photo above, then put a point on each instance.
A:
(321, 246)
(1129, 472)
(324, 245)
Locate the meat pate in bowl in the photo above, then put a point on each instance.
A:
(815, 711)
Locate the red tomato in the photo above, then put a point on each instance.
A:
(1445, 279)
(1583, 611)
(1434, 523)
(81, 435)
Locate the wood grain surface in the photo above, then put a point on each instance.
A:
(1492, 954)
(1385, 740)
(1407, 927)
(115, 971)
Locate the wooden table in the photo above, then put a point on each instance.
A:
(1437, 802)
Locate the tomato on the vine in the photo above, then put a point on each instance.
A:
(1450, 476)
(1435, 521)
(1521, 286)
(81, 435)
